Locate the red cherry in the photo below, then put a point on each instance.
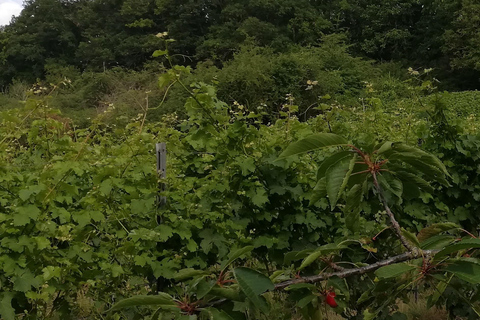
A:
(330, 299)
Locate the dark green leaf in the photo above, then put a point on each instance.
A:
(387, 146)
(352, 207)
(467, 270)
(187, 273)
(464, 244)
(411, 238)
(235, 255)
(328, 248)
(253, 283)
(435, 229)
(157, 315)
(159, 53)
(393, 270)
(296, 255)
(313, 142)
(437, 242)
(337, 178)
(330, 161)
(159, 299)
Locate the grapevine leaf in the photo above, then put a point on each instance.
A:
(393, 270)
(159, 53)
(253, 283)
(6, 310)
(313, 142)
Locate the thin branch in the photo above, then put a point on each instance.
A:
(356, 271)
(394, 222)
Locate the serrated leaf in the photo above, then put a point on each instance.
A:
(310, 259)
(435, 229)
(320, 191)
(227, 293)
(426, 168)
(425, 157)
(187, 273)
(328, 248)
(159, 299)
(313, 142)
(388, 182)
(352, 207)
(298, 286)
(276, 274)
(393, 270)
(218, 314)
(365, 296)
(235, 255)
(438, 292)
(337, 178)
(411, 237)
(340, 285)
(302, 303)
(437, 242)
(296, 255)
(157, 315)
(330, 161)
(387, 146)
(466, 270)
(405, 176)
(204, 287)
(252, 284)
(463, 244)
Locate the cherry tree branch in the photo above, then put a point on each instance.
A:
(396, 226)
(355, 271)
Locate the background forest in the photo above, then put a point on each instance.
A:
(279, 118)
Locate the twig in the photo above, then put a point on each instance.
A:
(394, 222)
(356, 271)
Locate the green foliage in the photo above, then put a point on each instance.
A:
(460, 41)
(246, 214)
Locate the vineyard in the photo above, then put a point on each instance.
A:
(240, 160)
(288, 218)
